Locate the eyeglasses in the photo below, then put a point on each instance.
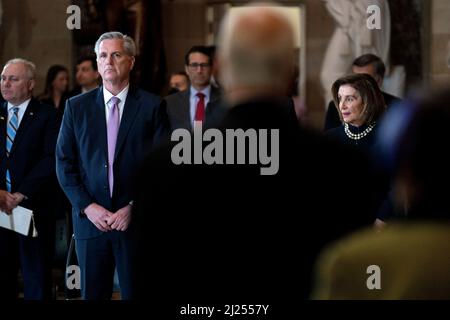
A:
(201, 65)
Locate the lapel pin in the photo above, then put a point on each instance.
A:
(2, 118)
(31, 113)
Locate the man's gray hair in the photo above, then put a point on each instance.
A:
(256, 57)
(30, 66)
(128, 42)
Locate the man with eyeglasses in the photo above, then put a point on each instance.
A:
(201, 102)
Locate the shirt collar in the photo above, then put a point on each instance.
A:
(205, 91)
(122, 94)
(20, 106)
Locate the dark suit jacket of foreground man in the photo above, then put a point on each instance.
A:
(226, 233)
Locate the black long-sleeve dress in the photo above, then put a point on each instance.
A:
(364, 138)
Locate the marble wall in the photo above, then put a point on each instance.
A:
(184, 25)
(439, 72)
(319, 29)
(36, 30)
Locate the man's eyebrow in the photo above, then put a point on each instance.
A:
(113, 52)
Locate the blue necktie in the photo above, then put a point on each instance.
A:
(11, 131)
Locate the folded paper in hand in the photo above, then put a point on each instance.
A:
(19, 221)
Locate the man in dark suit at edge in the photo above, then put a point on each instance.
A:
(28, 131)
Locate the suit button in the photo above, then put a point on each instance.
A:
(106, 165)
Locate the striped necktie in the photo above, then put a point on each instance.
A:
(11, 131)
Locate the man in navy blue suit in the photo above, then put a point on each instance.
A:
(103, 138)
(28, 132)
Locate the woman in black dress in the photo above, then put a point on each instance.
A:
(360, 104)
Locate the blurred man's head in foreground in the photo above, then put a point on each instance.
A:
(256, 53)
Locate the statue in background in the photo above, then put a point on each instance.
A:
(353, 38)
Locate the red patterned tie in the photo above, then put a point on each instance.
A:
(200, 111)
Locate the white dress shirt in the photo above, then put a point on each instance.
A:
(22, 108)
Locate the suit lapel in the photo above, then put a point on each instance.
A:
(215, 95)
(213, 103)
(3, 120)
(185, 109)
(98, 120)
(28, 116)
(130, 110)
(213, 99)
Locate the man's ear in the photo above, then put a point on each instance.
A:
(31, 84)
(133, 60)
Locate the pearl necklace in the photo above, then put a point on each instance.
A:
(358, 136)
